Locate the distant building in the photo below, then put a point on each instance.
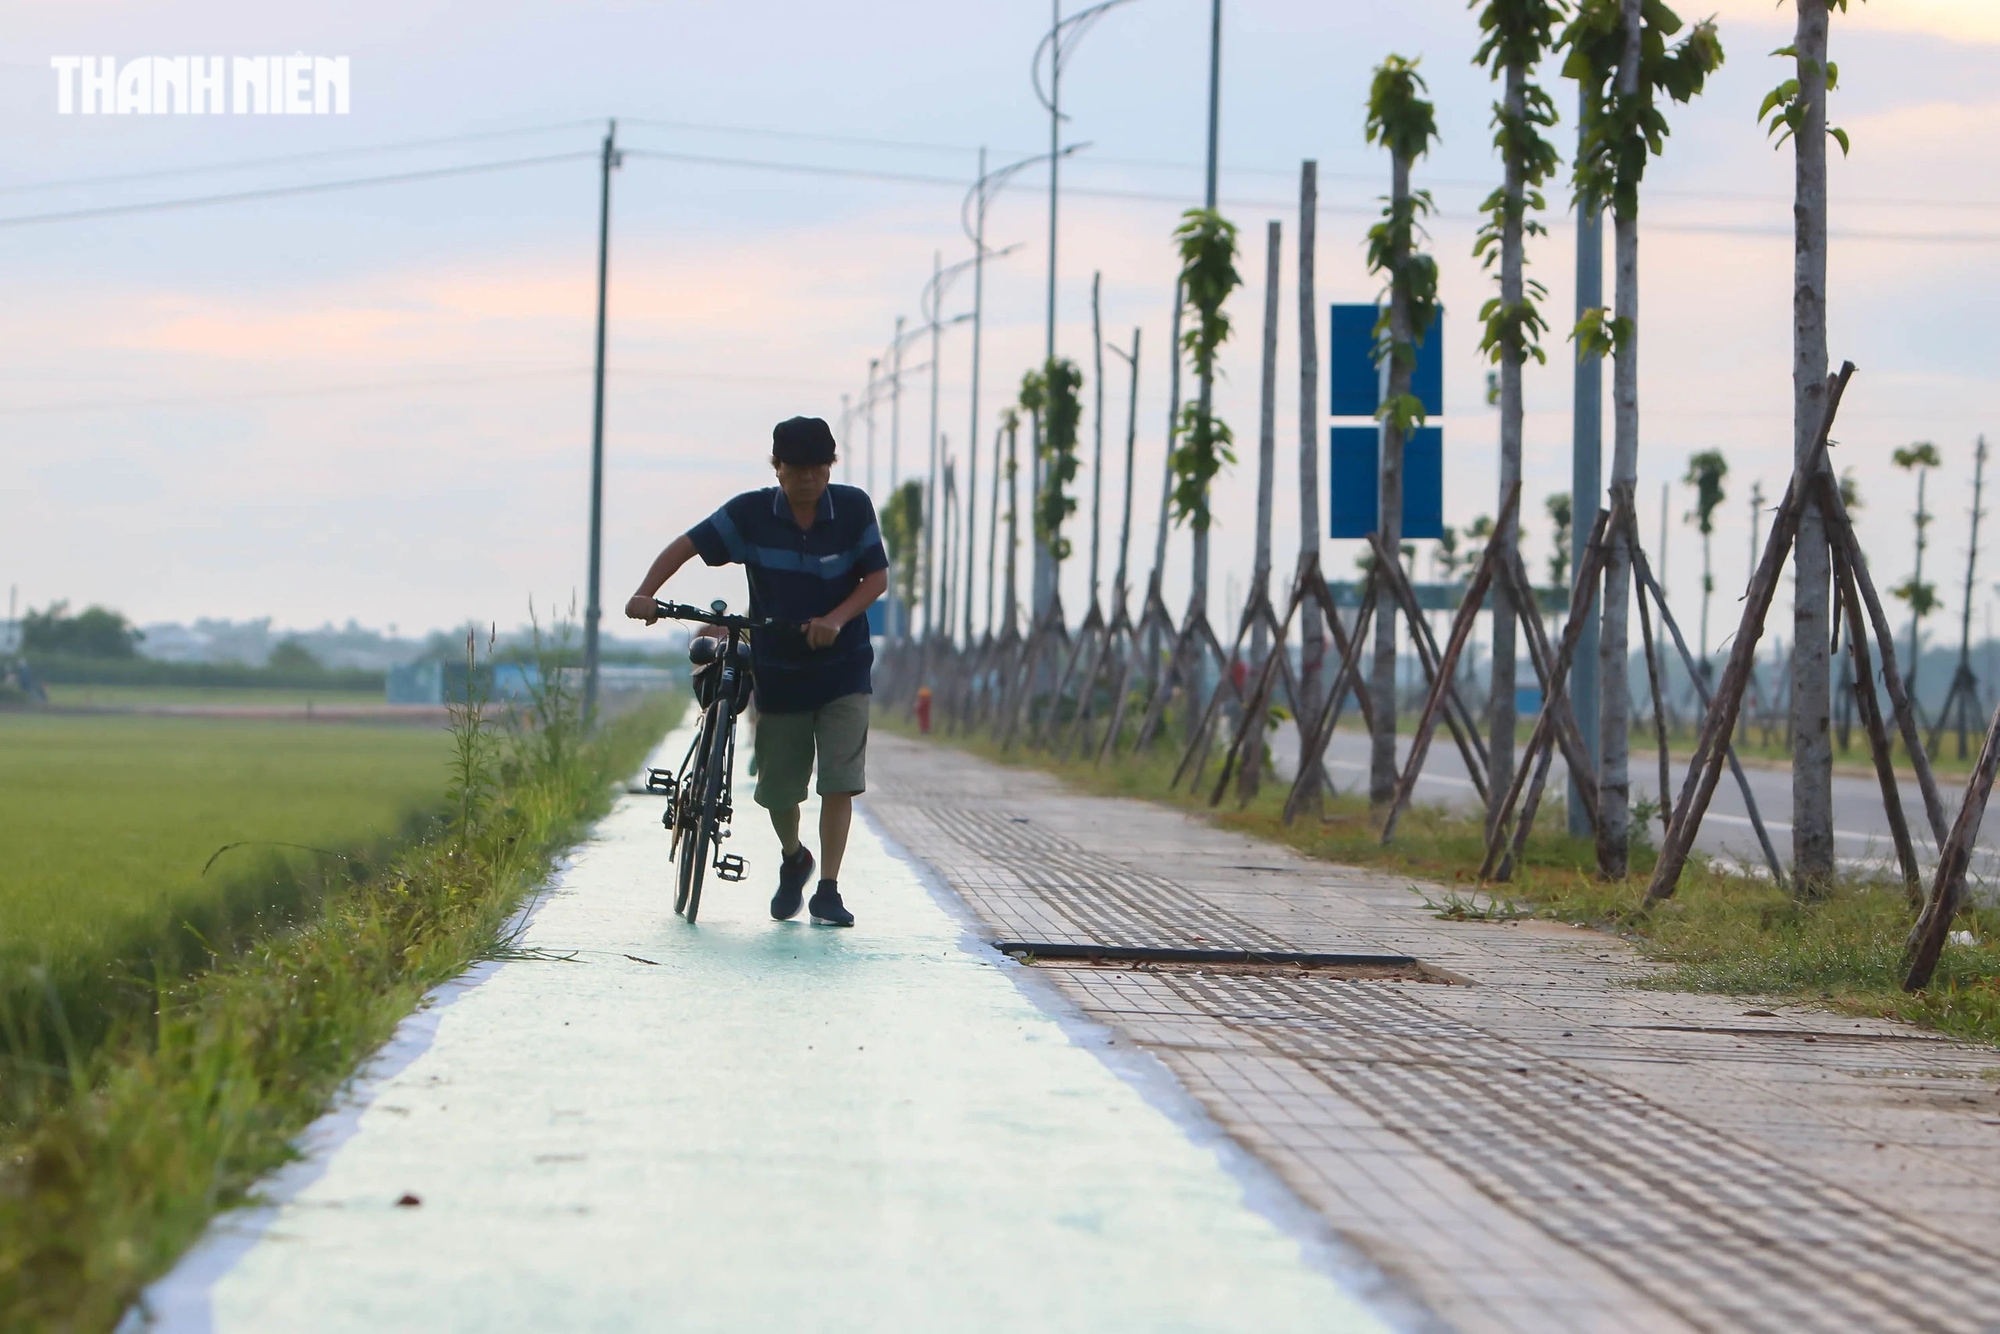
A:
(445, 682)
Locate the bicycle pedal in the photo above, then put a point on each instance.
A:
(730, 867)
(661, 781)
(668, 816)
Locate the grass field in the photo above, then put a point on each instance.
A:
(106, 824)
(96, 696)
(112, 1160)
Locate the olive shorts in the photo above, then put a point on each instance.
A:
(787, 742)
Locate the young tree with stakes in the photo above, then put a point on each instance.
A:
(1010, 426)
(1619, 55)
(1919, 458)
(1061, 411)
(1517, 34)
(1207, 243)
(1403, 121)
(902, 533)
(1796, 110)
(1705, 473)
(1562, 514)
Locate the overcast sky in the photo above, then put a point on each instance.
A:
(375, 402)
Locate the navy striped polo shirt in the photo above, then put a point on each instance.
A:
(796, 574)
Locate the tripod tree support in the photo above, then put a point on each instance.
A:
(1840, 530)
(1464, 728)
(1277, 667)
(1642, 569)
(1961, 702)
(1719, 722)
(1555, 697)
(1954, 856)
(1870, 709)
(1461, 631)
(1346, 679)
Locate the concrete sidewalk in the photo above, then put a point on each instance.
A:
(1544, 1148)
(633, 1124)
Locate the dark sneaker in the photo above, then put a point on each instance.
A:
(826, 907)
(793, 872)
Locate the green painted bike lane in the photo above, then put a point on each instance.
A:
(634, 1124)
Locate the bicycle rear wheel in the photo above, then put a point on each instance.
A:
(701, 848)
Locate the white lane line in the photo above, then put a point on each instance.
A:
(1742, 821)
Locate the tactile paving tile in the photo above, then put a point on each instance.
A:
(1107, 901)
(1723, 1235)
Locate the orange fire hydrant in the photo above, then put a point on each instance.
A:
(924, 709)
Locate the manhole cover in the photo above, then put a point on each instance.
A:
(1146, 958)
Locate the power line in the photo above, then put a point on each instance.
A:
(909, 178)
(396, 386)
(1285, 173)
(1287, 205)
(906, 145)
(802, 168)
(245, 164)
(279, 191)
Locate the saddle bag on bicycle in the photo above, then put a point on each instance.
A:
(706, 655)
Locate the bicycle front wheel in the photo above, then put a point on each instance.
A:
(687, 815)
(700, 849)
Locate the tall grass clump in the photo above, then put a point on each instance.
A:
(112, 1160)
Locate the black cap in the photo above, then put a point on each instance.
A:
(807, 441)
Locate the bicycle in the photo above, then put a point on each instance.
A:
(698, 796)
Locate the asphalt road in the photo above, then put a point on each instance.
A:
(1861, 829)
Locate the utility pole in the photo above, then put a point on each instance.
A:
(1097, 457)
(1586, 485)
(846, 429)
(593, 606)
(874, 364)
(1208, 202)
(1055, 161)
(897, 612)
(972, 433)
(932, 482)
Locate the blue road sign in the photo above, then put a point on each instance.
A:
(1354, 471)
(1355, 383)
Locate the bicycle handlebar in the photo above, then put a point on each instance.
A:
(682, 611)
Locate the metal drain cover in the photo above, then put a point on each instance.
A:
(1147, 957)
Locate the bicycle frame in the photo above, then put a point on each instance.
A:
(689, 804)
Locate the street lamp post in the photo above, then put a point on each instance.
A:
(593, 607)
(1059, 42)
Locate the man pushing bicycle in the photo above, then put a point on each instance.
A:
(813, 554)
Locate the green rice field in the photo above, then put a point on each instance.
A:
(63, 695)
(106, 823)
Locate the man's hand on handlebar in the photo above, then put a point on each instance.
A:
(821, 631)
(642, 607)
